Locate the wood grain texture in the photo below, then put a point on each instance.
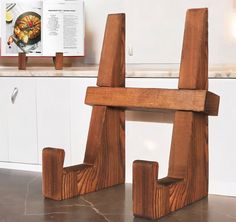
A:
(104, 161)
(52, 179)
(147, 98)
(112, 66)
(194, 61)
(187, 179)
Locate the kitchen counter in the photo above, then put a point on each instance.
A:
(132, 71)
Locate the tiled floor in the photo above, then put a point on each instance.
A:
(21, 201)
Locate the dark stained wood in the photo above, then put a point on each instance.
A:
(104, 161)
(52, 179)
(212, 102)
(187, 179)
(22, 61)
(194, 62)
(147, 194)
(147, 98)
(58, 61)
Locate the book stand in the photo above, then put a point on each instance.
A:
(104, 162)
(23, 59)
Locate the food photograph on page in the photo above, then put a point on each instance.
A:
(23, 27)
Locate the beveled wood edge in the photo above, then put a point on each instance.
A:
(212, 103)
(164, 181)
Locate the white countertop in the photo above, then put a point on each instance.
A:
(132, 71)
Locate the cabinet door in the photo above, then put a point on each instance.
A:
(3, 120)
(222, 164)
(53, 109)
(22, 127)
(80, 117)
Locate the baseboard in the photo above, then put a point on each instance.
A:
(222, 188)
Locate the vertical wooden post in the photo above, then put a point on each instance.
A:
(187, 179)
(104, 161)
(112, 121)
(112, 63)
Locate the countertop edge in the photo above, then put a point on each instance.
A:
(132, 71)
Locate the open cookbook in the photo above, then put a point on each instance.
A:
(42, 28)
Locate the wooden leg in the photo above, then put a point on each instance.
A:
(58, 61)
(104, 161)
(22, 61)
(187, 179)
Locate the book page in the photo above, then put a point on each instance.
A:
(63, 27)
(21, 27)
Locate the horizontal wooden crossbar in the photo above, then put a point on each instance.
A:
(154, 99)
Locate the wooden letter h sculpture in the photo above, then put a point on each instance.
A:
(104, 163)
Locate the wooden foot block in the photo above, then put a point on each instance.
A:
(150, 200)
(53, 160)
(187, 179)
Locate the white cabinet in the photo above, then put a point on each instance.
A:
(62, 117)
(53, 115)
(4, 100)
(47, 112)
(80, 117)
(18, 119)
(222, 143)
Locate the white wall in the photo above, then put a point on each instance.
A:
(155, 29)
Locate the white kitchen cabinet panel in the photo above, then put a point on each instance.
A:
(80, 117)
(222, 145)
(53, 115)
(22, 125)
(4, 100)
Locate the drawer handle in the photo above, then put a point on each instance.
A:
(14, 95)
